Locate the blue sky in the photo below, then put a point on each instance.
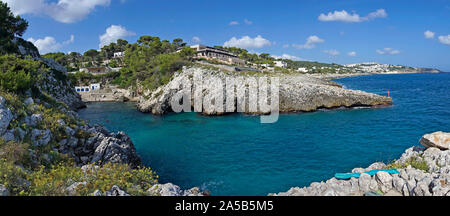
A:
(391, 32)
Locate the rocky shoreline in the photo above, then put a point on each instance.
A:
(424, 171)
(297, 93)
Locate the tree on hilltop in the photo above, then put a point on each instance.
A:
(10, 26)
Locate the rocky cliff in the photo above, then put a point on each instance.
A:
(297, 92)
(423, 172)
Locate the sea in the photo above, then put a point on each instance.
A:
(236, 155)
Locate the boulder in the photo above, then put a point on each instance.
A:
(3, 190)
(6, 116)
(116, 191)
(35, 119)
(168, 189)
(9, 136)
(97, 193)
(384, 180)
(72, 189)
(2, 102)
(440, 140)
(41, 137)
(29, 101)
(115, 149)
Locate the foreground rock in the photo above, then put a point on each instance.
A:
(423, 172)
(297, 93)
(170, 189)
(439, 140)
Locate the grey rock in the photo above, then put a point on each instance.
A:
(29, 101)
(72, 189)
(439, 187)
(2, 102)
(3, 190)
(116, 191)
(364, 182)
(61, 122)
(193, 192)
(97, 193)
(8, 136)
(116, 149)
(168, 189)
(438, 139)
(377, 165)
(89, 168)
(69, 131)
(6, 117)
(358, 170)
(20, 133)
(398, 183)
(41, 137)
(384, 181)
(35, 119)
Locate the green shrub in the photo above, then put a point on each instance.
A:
(14, 152)
(54, 181)
(12, 177)
(415, 162)
(16, 73)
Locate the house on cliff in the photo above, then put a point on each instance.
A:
(223, 56)
(96, 70)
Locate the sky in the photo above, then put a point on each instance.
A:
(407, 32)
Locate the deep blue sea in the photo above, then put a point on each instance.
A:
(236, 155)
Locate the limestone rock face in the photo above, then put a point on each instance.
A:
(439, 140)
(116, 148)
(297, 93)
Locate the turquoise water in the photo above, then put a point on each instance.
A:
(236, 155)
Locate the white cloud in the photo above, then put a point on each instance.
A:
(310, 43)
(388, 51)
(332, 52)
(286, 46)
(380, 13)
(65, 11)
(196, 39)
(248, 22)
(247, 42)
(113, 33)
(344, 16)
(232, 23)
(287, 56)
(352, 53)
(429, 34)
(444, 39)
(49, 44)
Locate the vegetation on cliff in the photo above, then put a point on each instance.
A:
(45, 149)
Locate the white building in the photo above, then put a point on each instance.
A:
(92, 87)
(280, 64)
(119, 54)
(304, 70)
(221, 55)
